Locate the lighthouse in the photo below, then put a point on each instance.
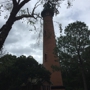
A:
(49, 43)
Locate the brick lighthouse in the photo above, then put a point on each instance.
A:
(49, 43)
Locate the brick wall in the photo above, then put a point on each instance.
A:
(49, 43)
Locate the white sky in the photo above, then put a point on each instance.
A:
(21, 41)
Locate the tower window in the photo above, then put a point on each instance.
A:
(45, 57)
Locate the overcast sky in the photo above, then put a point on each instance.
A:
(22, 41)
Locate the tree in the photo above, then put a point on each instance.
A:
(17, 12)
(86, 58)
(71, 74)
(16, 7)
(74, 43)
(22, 71)
(2, 52)
(7, 61)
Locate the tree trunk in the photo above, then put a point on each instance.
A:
(4, 34)
(4, 31)
(83, 74)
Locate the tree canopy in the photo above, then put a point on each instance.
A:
(73, 44)
(71, 74)
(17, 11)
(18, 71)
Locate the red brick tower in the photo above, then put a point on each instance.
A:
(49, 44)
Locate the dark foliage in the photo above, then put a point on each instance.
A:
(72, 49)
(19, 71)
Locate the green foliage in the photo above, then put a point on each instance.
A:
(75, 40)
(72, 49)
(6, 61)
(17, 71)
(55, 4)
(71, 73)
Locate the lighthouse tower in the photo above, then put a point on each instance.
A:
(49, 43)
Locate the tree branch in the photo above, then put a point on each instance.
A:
(14, 2)
(24, 16)
(35, 6)
(23, 3)
(18, 1)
